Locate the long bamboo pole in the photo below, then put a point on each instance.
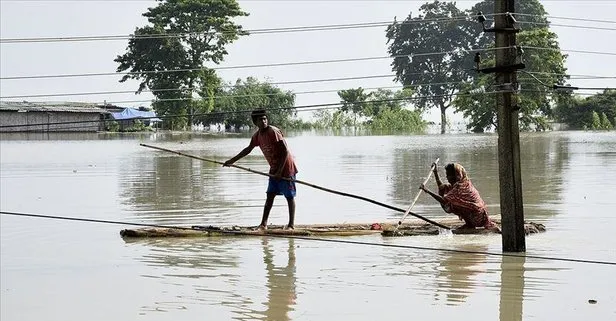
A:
(418, 193)
(304, 183)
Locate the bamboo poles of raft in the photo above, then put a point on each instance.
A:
(304, 183)
(415, 228)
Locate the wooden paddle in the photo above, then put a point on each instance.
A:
(417, 196)
(408, 212)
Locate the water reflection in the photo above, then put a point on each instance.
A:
(456, 271)
(209, 271)
(512, 288)
(281, 283)
(165, 183)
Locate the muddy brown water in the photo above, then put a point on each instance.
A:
(64, 270)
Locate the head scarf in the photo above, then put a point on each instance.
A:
(460, 172)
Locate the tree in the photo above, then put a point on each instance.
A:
(354, 102)
(181, 35)
(544, 68)
(382, 109)
(435, 77)
(605, 122)
(596, 121)
(577, 112)
(233, 105)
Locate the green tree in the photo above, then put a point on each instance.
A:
(577, 112)
(398, 120)
(435, 78)
(605, 122)
(544, 69)
(181, 35)
(596, 121)
(382, 109)
(354, 102)
(233, 105)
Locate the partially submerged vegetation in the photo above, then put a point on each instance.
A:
(433, 73)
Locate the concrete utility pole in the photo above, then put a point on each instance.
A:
(510, 178)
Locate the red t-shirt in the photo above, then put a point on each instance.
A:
(268, 140)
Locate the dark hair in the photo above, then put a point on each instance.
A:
(450, 168)
(258, 113)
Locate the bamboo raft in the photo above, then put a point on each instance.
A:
(424, 227)
(350, 229)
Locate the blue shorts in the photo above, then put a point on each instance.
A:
(281, 187)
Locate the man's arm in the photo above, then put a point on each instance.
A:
(240, 155)
(284, 152)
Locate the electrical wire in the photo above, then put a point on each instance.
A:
(320, 239)
(250, 32)
(281, 64)
(565, 18)
(248, 110)
(576, 77)
(571, 50)
(312, 62)
(561, 87)
(296, 29)
(228, 96)
(566, 26)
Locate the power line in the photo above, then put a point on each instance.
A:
(567, 26)
(315, 107)
(258, 95)
(248, 110)
(571, 50)
(225, 86)
(250, 32)
(565, 18)
(311, 62)
(572, 75)
(575, 77)
(292, 29)
(320, 239)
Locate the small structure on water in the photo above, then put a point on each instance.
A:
(129, 116)
(24, 116)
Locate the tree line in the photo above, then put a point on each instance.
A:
(190, 37)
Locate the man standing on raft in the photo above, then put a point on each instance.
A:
(274, 148)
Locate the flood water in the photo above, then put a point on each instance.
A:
(69, 270)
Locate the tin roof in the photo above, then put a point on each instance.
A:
(74, 107)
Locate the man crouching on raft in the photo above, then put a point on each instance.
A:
(274, 148)
(461, 198)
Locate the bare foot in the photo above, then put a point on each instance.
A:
(262, 227)
(289, 227)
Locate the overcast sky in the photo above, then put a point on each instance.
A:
(21, 19)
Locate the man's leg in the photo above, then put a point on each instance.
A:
(291, 203)
(269, 201)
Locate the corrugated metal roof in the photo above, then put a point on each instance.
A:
(74, 107)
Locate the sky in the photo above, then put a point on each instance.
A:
(49, 18)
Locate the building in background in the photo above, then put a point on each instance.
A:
(27, 116)
(24, 116)
(128, 118)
